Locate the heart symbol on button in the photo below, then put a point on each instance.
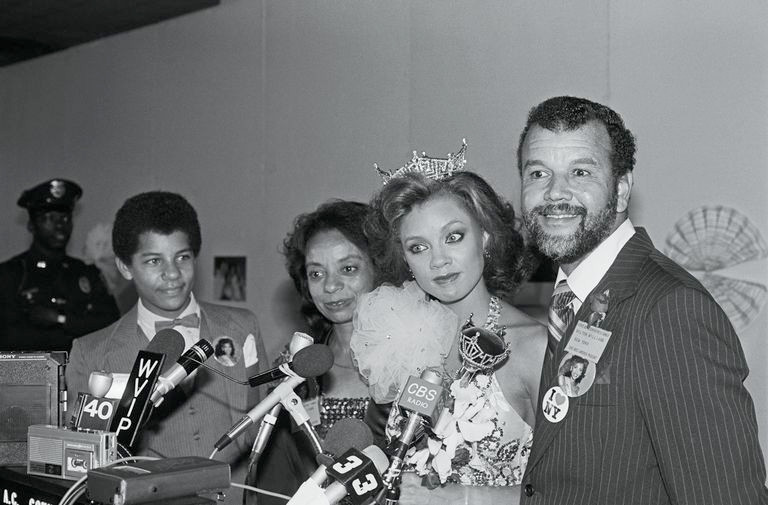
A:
(559, 398)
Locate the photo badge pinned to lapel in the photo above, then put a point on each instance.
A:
(575, 375)
(588, 341)
(225, 351)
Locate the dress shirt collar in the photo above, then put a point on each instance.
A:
(593, 268)
(147, 318)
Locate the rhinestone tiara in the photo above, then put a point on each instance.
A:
(434, 168)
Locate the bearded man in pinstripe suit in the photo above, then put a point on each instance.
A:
(663, 417)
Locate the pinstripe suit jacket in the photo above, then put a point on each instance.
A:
(184, 425)
(668, 419)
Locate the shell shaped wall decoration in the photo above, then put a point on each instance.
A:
(741, 300)
(712, 238)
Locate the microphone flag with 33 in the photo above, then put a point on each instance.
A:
(424, 398)
(356, 474)
(94, 411)
(304, 364)
(183, 368)
(323, 358)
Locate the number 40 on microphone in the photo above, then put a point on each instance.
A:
(359, 476)
(93, 413)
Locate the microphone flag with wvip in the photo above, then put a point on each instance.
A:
(424, 398)
(95, 409)
(356, 474)
(323, 362)
(134, 403)
(184, 366)
(308, 362)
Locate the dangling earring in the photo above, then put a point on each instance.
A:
(410, 273)
(487, 253)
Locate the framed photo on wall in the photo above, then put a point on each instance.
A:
(229, 278)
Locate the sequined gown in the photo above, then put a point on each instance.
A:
(333, 409)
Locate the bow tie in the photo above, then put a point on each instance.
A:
(190, 321)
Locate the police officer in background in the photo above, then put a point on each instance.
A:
(47, 298)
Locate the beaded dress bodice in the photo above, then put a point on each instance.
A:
(333, 409)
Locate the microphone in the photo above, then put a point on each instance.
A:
(96, 409)
(356, 474)
(310, 361)
(185, 365)
(424, 398)
(168, 342)
(299, 341)
(280, 394)
(345, 434)
(135, 401)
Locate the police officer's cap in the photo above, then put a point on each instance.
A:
(56, 194)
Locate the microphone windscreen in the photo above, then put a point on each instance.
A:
(312, 361)
(299, 341)
(168, 342)
(375, 454)
(346, 434)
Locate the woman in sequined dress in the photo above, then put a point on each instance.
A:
(327, 257)
(456, 238)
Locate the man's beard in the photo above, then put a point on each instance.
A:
(592, 230)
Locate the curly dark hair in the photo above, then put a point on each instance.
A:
(158, 211)
(508, 262)
(347, 218)
(568, 113)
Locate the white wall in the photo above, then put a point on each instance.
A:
(260, 110)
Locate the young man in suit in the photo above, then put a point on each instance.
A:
(156, 239)
(661, 414)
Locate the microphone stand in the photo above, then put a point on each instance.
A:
(293, 404)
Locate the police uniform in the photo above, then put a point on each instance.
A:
(74, 294)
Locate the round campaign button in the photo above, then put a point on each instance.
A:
(575, 375)
(555, 405)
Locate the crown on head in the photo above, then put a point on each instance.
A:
(434, 168)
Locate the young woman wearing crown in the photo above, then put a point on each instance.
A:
(448, 239)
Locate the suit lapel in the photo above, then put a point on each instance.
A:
(211, 328)
(621, 280)
(125, 341)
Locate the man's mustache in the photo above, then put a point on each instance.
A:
(559, 208)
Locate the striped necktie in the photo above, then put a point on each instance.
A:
(560, 314)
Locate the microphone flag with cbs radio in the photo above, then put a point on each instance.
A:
(96, 408)
(424, 398)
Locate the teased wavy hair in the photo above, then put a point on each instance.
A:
(344, 216)
(507, 263)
